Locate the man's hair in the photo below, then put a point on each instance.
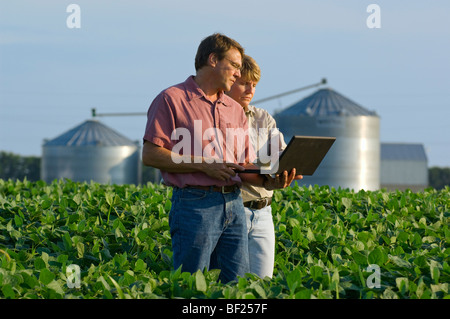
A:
(250, 69)
(216, 43)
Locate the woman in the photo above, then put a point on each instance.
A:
(257, 200)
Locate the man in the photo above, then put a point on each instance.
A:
(207, 218)
(257, 200)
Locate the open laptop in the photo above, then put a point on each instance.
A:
(304, 153)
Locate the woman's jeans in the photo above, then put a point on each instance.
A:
(209, 230)
(261, 241)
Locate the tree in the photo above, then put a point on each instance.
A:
(439, 177)
(14, 166)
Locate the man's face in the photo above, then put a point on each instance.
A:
(242, 91)
(228, 69)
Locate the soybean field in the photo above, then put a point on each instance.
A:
(67, 239)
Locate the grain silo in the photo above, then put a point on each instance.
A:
(91, 152)
(403, 166)
(354, 160)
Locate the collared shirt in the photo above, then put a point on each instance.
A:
(183, 120)
(261, 125)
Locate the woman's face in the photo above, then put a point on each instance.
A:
(242, 91)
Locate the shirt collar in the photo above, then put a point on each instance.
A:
(193, 91)
(250, 110)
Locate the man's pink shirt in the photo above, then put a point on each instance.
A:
(182, 106)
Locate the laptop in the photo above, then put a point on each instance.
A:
(304, 153)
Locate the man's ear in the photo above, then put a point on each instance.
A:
(213, 59)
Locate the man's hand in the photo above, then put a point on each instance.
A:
(163, 159)
(221, 171)
(281, 180)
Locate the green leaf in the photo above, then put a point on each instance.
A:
(18, 220)
(400, 262)
(248, 295)
(316, 272)
(200, 282)
(359, 258)
(56, 286)
(347, 202)
(242, 283)
(8, 292)
(335, 279)
(67, 241)
(30, 279)
(78, 199)
(140, 265)
(80, 249)
(62, 259)
(259, 290)
(420, 261)
(434, 271)
(304, 293)
(46, 276)
(389, 294)
(46, 204)
(118, 288)
(310, 235)
(104, 283)
(82, 225)
(416, 240)
(109, 198)
(39, 263)
(294, 222)
(293, 279)
(402, 284)
(377, 256)
(402, 236)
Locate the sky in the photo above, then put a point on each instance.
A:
(56, 63)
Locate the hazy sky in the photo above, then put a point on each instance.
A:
(126, 52)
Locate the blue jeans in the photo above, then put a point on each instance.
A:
(209, 230)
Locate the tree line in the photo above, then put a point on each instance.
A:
(13, 166)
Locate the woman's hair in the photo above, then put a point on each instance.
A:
(250, 69)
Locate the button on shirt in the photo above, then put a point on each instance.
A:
(261, 125)
(216, 130)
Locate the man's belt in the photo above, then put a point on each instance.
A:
(258, 204)
(221, 189)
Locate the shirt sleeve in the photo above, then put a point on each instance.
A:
(160, 122)
(273, 129)
(249, 145)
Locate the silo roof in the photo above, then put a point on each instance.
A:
(326, 102)
(402, 151)
(90, 132)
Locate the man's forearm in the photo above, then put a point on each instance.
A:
(164, 159)
(252, 179)
(168, 161)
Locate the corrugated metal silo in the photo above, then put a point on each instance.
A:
(91, 151)
(403, 166)
(354, 159)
